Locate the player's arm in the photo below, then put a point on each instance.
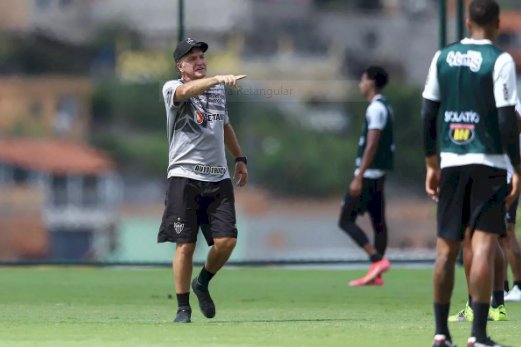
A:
(232, 144)
(508, 122)
(429, 115)
(507, 119)
(372, 141)
(518, 113)
(429, 111)
(377, 118)
(505, 95)
(199, 86)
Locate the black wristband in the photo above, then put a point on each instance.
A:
(243, 159)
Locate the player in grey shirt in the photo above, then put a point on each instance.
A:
(195, 133)
(200, 191)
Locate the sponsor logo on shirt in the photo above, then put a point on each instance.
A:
(214, 117)
(461, 130)
(169, 98)
(471, 59)
(461, 134)
(506, 93)
(201, 118)
(210, 170)
(461, 117)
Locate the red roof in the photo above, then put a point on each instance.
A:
(54, 156)
(510, 21)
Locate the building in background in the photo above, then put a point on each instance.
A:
(403, 37)
(510, 35)
(76, 191)
(69, 20)
(303, 59)
(44, 126)
(45, 106)
(22, 230)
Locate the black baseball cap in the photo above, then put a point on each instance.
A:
(186, 45)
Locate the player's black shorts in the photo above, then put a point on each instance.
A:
(191, 204)
(512, 212)
(371, 200)
(471, 196)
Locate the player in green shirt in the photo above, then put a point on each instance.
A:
(469, 124)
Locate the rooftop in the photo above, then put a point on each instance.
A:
(54, 156)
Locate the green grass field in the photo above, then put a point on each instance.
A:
(75, 306)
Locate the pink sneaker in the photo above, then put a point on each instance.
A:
(378, 281)
(359, 282)
(377, 269)
(375, 272)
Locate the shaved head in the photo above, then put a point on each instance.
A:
(484, 12)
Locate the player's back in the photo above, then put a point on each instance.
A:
(466, 72)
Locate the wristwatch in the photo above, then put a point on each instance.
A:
(244, 159)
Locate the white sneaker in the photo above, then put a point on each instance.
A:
(514, 294)
(471, 342)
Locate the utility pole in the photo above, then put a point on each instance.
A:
(460, 19)
(181, 20)
(442, 24)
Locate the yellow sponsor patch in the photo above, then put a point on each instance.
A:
(461, 134)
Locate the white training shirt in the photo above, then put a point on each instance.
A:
(505, 92)
(195, 130)
(376, 116)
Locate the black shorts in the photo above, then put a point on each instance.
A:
(371, 200)
(512, 212)
(471, 196)
(191, 204)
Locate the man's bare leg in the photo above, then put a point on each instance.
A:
(217, 257)
(182, 266)
(481, 278)
(443, 282)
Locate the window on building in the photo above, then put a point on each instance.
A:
(20, 176)
(43, 4)
(90, 191)
(65, 3)
(66, 113)
(5, 174)
(59, 190)
(35, 110)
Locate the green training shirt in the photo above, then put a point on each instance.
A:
(471, 79)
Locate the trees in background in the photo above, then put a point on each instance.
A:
(285, 157)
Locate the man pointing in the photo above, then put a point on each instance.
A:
(200, 191)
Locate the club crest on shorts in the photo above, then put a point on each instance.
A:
(178, 227)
